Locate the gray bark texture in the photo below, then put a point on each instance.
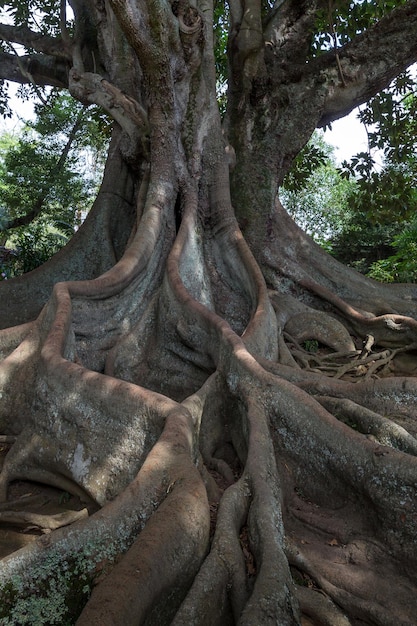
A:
(154, 370)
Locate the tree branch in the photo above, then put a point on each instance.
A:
(334, 38)
(63, 23)
(94, 89)
(134, 20)
(44, 70)
(369, 62)
(37, 41)
(247, 41)
(289, 27)
(27, 75)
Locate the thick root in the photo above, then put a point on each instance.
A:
(46, 523)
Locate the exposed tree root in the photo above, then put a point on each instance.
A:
(318, 325)
(166, 556)
(382, 429)
(233, 463)
(290, 499)
(358, 363)
(239, 414)
(45, 523)
(320, 608)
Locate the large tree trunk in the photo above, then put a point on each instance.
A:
(232, 476)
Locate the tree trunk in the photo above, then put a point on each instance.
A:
(233, 475)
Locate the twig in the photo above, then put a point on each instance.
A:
(370, 340)
(334, 37)
(28, 75)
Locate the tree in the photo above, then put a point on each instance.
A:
(159, 367)
(383, 202)
(47, 183)
(315, 194)
(402, 264)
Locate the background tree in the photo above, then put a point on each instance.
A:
(49, 176)
(364, 212)
(315, 194)
(401, 265)
(379, 226)
(155, 367)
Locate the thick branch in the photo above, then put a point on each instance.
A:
(247, 41)
(369, 62)
(289, 27)
(134, 19)
(44, 70)
(37, 41)
(63, 22)
(92, 88)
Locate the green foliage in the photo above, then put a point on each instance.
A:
(380, 233)
(391, 121)
(5, 110)
(39, 15)
(49, 176)
(28, 174)
(314, 154)
(360, 242)
(387, 195)
(311, 345)
(402, 265)
(56, 120)
(364, 213)
(314, 193)
(35, 244)
(377, 236)
(340, 22)
(221, 31)
(378, 208)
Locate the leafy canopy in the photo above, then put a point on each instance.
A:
(340, 22)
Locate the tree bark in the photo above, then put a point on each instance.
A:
(239, 477)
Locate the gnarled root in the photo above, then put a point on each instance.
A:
(382, 429)
(46, 523)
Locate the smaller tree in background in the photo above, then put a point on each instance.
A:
(315, 194)
(364, 213)
(49, 176)
(380, 233)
